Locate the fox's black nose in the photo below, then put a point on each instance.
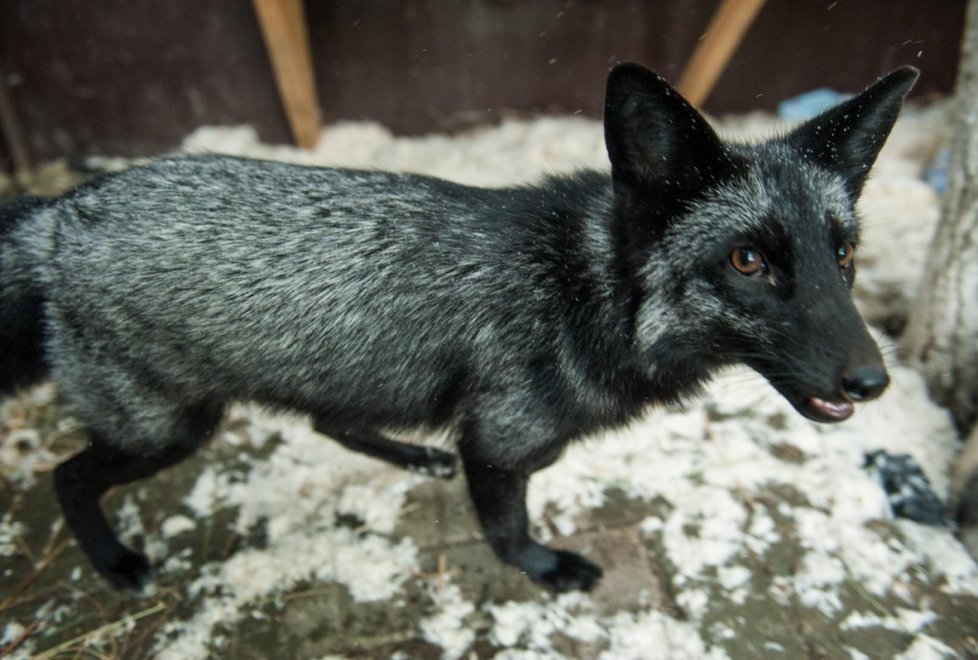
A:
(865, 383)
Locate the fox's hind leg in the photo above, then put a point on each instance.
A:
(424, 460)
(82, 480)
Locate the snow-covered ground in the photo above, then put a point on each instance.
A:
(737, 477)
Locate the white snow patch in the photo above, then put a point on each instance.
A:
(925, 647)
(656, 636)
(448, 627)
(945, 557)
(11, 631)
(10, 530)
(298, 492)
(176, 525)
(203, 499)
(528, 629)
(717, 537)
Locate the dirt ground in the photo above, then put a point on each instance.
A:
(62, 609)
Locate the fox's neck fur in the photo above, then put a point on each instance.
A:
(594, 263)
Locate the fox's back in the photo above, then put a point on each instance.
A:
(248, 279)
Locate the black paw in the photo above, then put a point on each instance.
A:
(571, 573)
(129, 571)
(436, 463)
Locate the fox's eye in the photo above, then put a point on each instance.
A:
(748, 261)
(844, 255)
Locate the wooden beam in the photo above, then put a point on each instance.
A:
(13, 134)
(283, 26)
(727, 28)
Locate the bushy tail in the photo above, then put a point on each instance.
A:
(21, 307)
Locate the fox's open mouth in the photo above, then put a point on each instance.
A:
(822, 410)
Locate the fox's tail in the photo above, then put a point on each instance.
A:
(21, 306)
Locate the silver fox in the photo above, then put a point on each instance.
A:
(520, 318)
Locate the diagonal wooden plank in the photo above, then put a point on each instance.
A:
(727, 28)
(283, 27)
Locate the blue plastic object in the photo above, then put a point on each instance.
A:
(807, 105)
(936, 172)
(908, 489)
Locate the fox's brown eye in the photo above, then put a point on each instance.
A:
(844, 255)
(748, 261)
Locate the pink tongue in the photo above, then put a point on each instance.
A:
(837, 410)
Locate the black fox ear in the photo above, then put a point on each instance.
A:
(847, 138)
(655, 137)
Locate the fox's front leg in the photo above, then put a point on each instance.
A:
(497, 485)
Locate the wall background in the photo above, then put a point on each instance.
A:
(133, 77)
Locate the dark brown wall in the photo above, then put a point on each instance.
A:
(133, 77)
